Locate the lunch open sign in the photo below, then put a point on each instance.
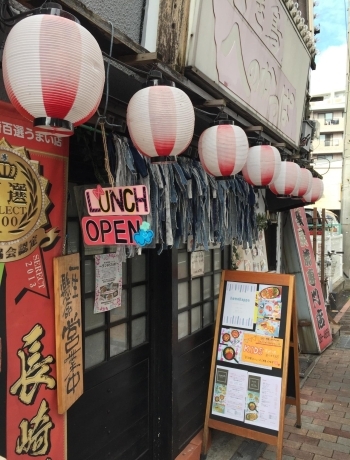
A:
(117, 201)
(115, 216)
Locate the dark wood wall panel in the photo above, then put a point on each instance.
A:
(124, 446)
(192, 388)
(112, 417)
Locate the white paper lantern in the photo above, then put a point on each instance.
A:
(223, 149)
(316, 191)
(53, 72)
(160, 120)
(263, 165)
(287, 180)
(305, 183)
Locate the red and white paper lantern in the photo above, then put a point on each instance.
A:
(305, 183)
(160, 120)
(316, 191)
(223, 150)
(287, 180)
(53, 72)
(263, 165)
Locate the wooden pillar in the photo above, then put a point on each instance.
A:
(173, 32)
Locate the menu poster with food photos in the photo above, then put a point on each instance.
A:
(251, 352)
(108, 293)
(314, 295)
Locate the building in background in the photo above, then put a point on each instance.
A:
(328, 111)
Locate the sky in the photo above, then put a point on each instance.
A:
(330, 73)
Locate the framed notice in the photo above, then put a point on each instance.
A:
(248, 387)
(69, 338)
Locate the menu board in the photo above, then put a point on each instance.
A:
(249, 373)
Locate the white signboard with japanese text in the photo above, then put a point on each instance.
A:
(250, 49)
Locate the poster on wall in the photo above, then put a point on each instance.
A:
(252, 259)
(33, 170)
(197, 264)
(108, 292)
(310, 300)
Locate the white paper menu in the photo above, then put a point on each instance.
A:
(229, 393)
(239, 305)
(268, 415)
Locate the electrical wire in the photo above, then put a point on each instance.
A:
(207, 113)
(108, 66)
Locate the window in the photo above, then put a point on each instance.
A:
(111, 333)
(324, 157)
(197, 297)
(327, 139)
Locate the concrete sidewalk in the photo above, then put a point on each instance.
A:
(325, 403)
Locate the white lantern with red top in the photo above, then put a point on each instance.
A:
(304, 185)
(223, 149)
(160, 120)
(316, 191)
(263, 165)
(53, 71)
(287, 180)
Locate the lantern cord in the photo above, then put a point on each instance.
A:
(107, 167)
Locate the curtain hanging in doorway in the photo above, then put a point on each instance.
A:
(185, 200)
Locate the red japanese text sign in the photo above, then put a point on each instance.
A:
(315, 299)
(36, 167)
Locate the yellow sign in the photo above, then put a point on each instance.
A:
(262, 350)
(23, 204)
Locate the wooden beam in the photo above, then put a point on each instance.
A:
(214, 103)
(279, 144)
(141, 59)
(173, 32)
(249, 129)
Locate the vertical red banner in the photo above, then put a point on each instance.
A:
(315, 299)
(32, 233)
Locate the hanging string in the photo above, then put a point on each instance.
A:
(107, 167)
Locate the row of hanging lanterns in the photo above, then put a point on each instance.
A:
(161, 118)
(54, 75)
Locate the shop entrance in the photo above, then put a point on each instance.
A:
(146, 363)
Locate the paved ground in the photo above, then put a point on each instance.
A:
(325, 403)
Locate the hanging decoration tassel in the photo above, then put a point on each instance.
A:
(107, 167)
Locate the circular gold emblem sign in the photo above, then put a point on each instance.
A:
(23, 205)
(20, 197)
